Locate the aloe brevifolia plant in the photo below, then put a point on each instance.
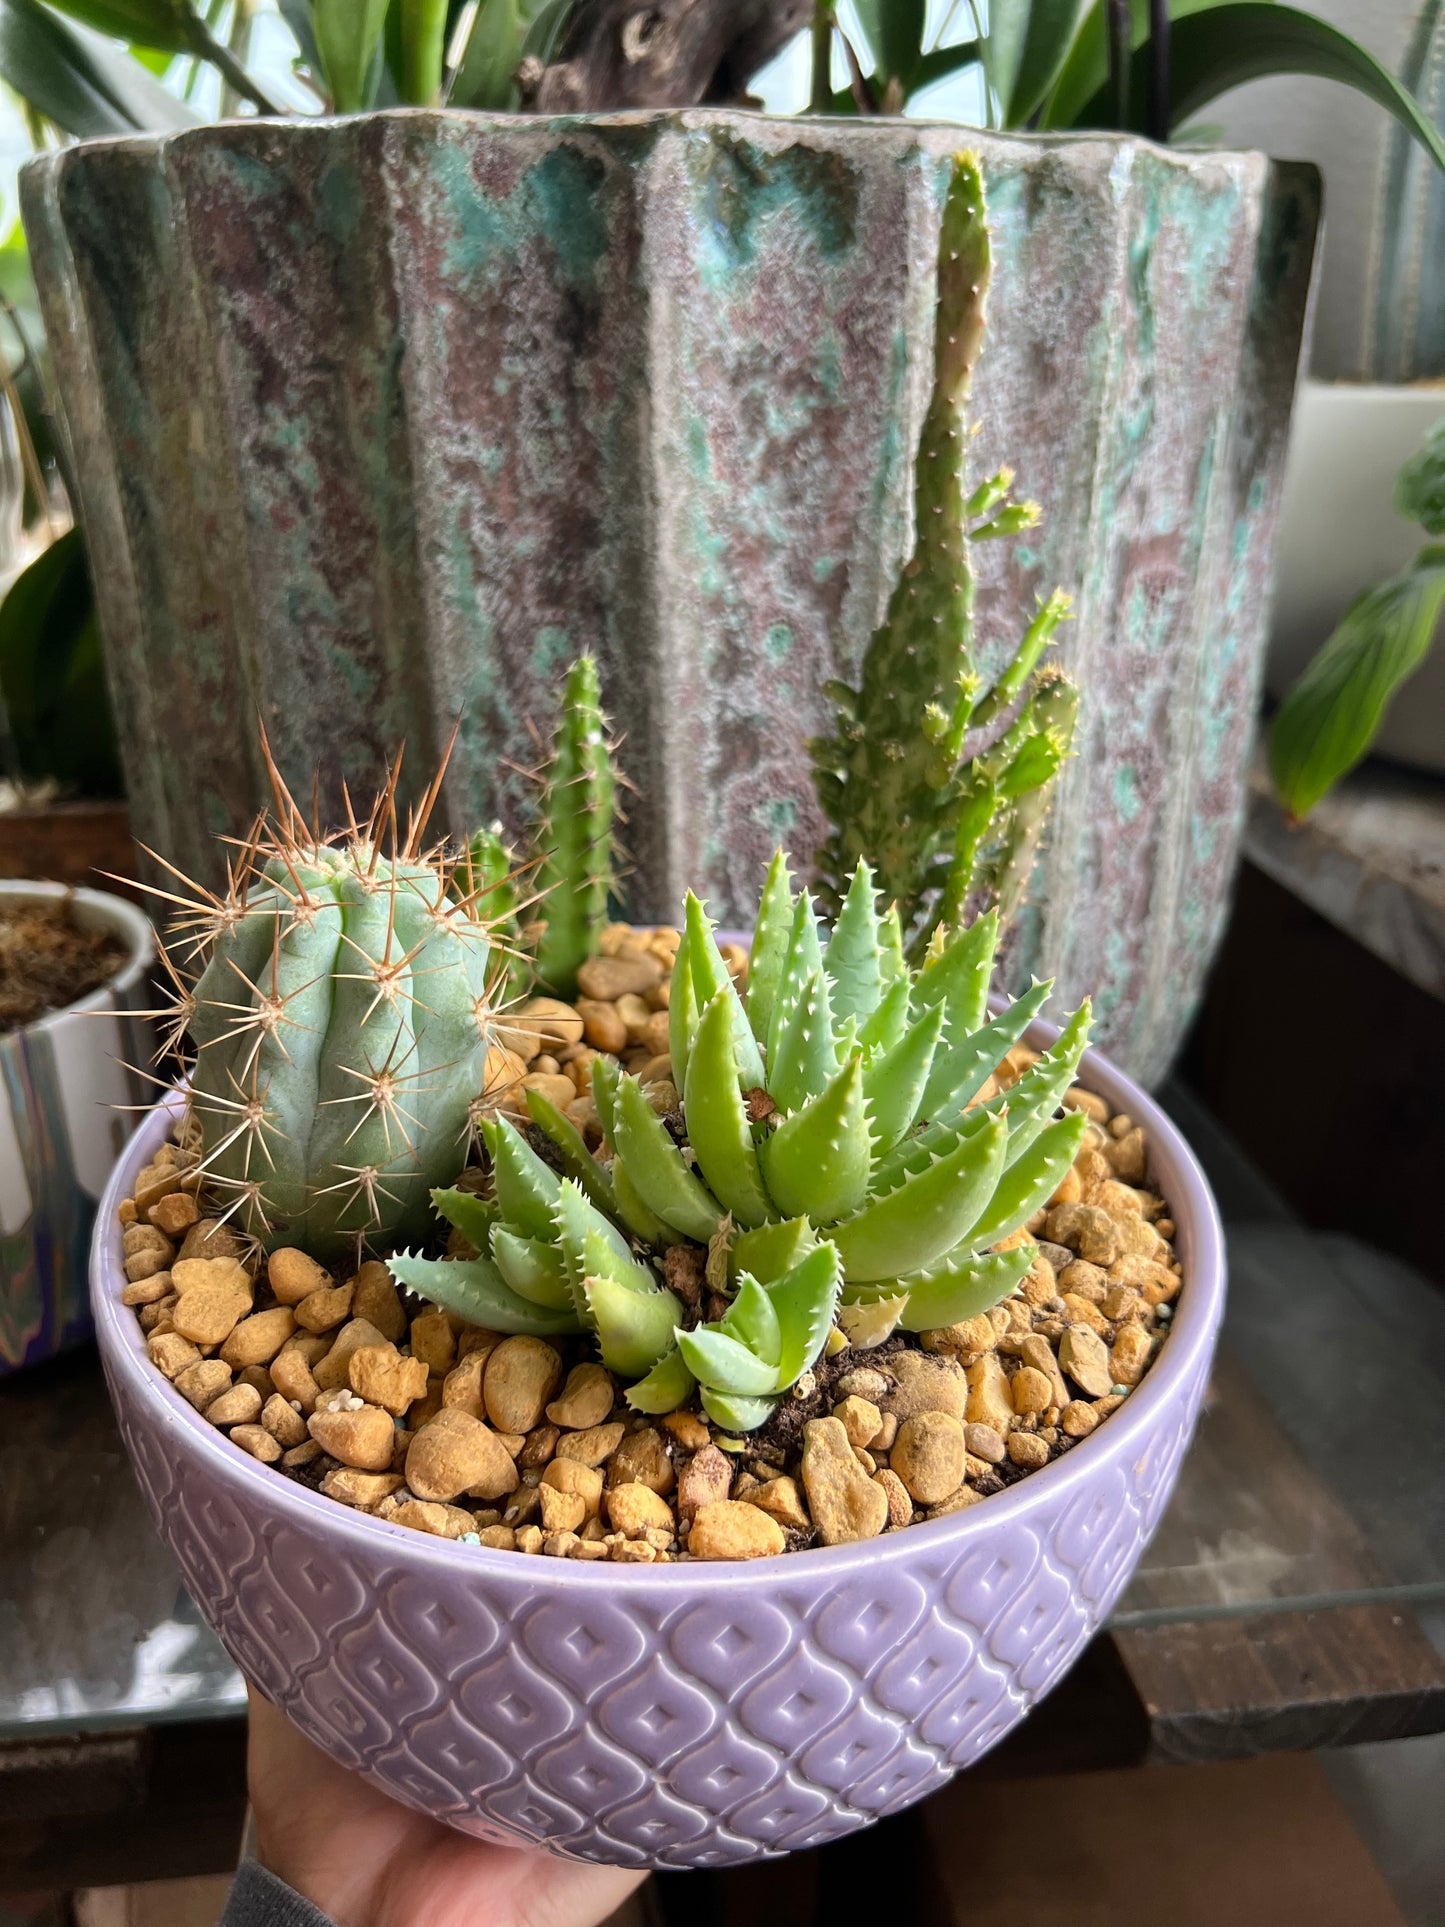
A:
(829, 1156)
(574, 859)
(940, 781)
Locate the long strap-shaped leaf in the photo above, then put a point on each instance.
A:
(533, 1269)
(526, 1187)
(1036, 1096)
(959, 975)
(711, 978)
(473, 1289)
(634, 1328)
(668, 1385)
(953, 1291)
(817, 1161)
(724, 1364)
(1032, 1181)
(656, 1168)
(805, 1058)
(717, 1119)
(469, 1214)
(962, 1066)
(736, 1414)
(928, 1214)
(770, 946)
(895, 1082)
(853, 959)
(803, 960)
(580, 1164)
(752, 1319)
(805, 1300)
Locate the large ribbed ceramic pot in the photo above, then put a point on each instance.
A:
(65, 1098)
(684, 1716)
(379, 421)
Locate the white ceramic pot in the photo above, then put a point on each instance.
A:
(65, 1095)
(1339, 534)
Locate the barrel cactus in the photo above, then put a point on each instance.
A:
(836, 1158)
(340, 1020)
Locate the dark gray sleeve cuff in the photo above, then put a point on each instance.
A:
(260, 1899)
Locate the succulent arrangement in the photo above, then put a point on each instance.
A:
(828, 1158)
(942, 782)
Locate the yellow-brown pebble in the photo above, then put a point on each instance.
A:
(333, 1368)
(293, 1276)
(601, 1025)
(783, 1499)
(362, 1438)
(323, 1310)
(928, 1456)
(579, 1481)
(170, 1353)
(283, 1421)
(1028, 1449)
(455, 1453)
(844, 1501)
(860, 1419)
(635, 1508)
(426, 1515)
(522, 1374)
(360, 1489)
(257, 1339)
(256, 1440)
(605, 979)
(434, 1342)
(239, 1406)
(380, 1375)
(198, 1384)
(1031, 1391)
(585, 1399)
(215, 1295)
(731, 1529)
(376, 1298)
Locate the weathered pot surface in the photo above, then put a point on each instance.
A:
(64, 1093)
(684, 1716)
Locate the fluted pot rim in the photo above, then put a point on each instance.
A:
(819, 129)
(1197, 1315)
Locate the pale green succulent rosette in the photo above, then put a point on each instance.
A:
(838, 1152)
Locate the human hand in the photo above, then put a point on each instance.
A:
(368, 1862)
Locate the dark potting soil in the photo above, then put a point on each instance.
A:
(48, 961)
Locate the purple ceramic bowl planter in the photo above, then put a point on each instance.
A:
(691, 1715)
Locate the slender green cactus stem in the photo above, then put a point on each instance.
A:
(576, 833)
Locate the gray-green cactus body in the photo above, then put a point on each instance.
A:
(911, 776)
(575, 834)
(341, 1024)
(840, 1149)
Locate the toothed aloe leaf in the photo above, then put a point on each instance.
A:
(752, 1320)
(852, 960)
(1032, 1181)
(817, 1161)
(580, 1164)
(717, 1119)
(893, 1084)
(526, 1188)
(634, 1328)
(960, 973)
(958, 1289)
(656, 1168)
(605, 1073)
(1036, 1096)
(772, 1249)
(668, 1385)
(891, 965)
(601, 1259)
(469, 1214)
(723, 1364)
(805, 1300)
(638, 1216)
(928, 1214)
(805, 1059)
(868, 1321)
(917, 1153)
(711, 979)
(887, 1023)
(770, 946)
(573, 1220)
(533, 1269)
(474, 1289)
(965, 1062)
(681, 1017)
(735, 1414)
(804, 958)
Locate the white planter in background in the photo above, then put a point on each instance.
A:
(1339, 534)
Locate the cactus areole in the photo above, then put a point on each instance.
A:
(340, 1023)
(836, 1161)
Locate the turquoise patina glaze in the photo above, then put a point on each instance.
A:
(378, 419)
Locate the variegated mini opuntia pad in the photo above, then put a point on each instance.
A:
(828, 1147)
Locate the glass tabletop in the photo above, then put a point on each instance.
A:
(1314, 1480)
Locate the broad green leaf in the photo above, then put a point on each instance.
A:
(893, 30)
(1328, 720)
(717, 1119)
(725, 1365)
(145, 23)
(1420, 485)
(817, 1161)
(770, 946)
(606, 1073)
(1026, 46)
(928, 1214)
(533, 1269)
(486, 77)
(949, 1293)
(805, 1300)
(79, 79)
(681, 1016)
(1209, 53)
(469, 1214)
(581, 1166)
(752, 1320)
(771, 1250)
(656, 1168)
(473, 1289)
(52, 676)
(634, 1328)
(1085, 71)
(668, 1385)
(348, 39)
(423, 51)
(736, 1414)
(641, 1220)
(1031, 1180)
(591, 1244)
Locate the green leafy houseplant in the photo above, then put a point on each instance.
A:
(829, 1160)
(1329, 718)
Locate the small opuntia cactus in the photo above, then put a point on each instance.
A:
(576, 834)
(340, 1021)
(834, 1162)
(897, 778)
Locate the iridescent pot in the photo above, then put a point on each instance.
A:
(689, 1715)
